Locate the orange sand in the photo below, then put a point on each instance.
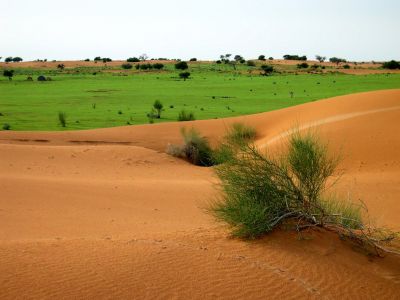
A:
(106, 213)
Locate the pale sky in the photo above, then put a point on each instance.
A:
(359, 30)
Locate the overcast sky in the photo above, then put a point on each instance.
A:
(77, 29)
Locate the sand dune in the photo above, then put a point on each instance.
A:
(107, 214)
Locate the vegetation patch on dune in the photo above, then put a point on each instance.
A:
(262, 192)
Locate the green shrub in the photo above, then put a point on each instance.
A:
(267, 69)
(193, 59)
(238, 135)
(9, 74)
(196, 148)
(158, 106)
(261, 57)
(303, 65)
(62, 118)
(6, 126)
(186, 116)
(391, 65)
(184, 75)
(182, 65)
(158, 66)
(262, 192)
(346, 66)
(41, 78)
(126, 66)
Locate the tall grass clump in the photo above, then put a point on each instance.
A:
(186, 116)
(196, 148)
(62, 119)
(261, 192)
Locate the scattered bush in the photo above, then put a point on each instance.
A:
(9, 74)
(158, 106)
(267, 69)
(391, 65)
(17, 59)
(218, 62)
(126, 66)
(261, 57)
(8, 59)
(251, 63)
(346, 66)
(62, 118)
(186, 116)
(193, 59)
(184, 75)
(182, 65)
(41, 78)
(87, 59)
(271, 58)
(158, 66)
(61, 66)
(6, 126)
(196, 148)
(303, 65)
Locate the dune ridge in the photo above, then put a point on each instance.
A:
(107, 214)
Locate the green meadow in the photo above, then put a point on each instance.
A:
(117, 99)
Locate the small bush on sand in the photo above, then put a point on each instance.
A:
(62, 119)
(186, 116)
(196, 148)
(260, 192)
(238, 135)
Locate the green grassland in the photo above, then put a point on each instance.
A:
(122, 98)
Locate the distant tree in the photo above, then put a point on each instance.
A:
(294, 57)
(158, 106)
(143, 57)
(261, 57)
(8, 59)
(271, 58)
(126, 66)
(337, 60)
(61, 66)
(184, 75)
(182, 65)
(267, 69)
(158, 66)
(218, 62)
(97, 58)
(193, 59)
(133, 59)
(9, 74)
(320, 58)
(391, 65)
(225, 58)
(106, 59)
(87, 59)
(17, 59)
(238, 58)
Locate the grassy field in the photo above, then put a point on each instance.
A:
(116, 99)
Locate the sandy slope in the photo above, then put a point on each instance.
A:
(106, 214)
